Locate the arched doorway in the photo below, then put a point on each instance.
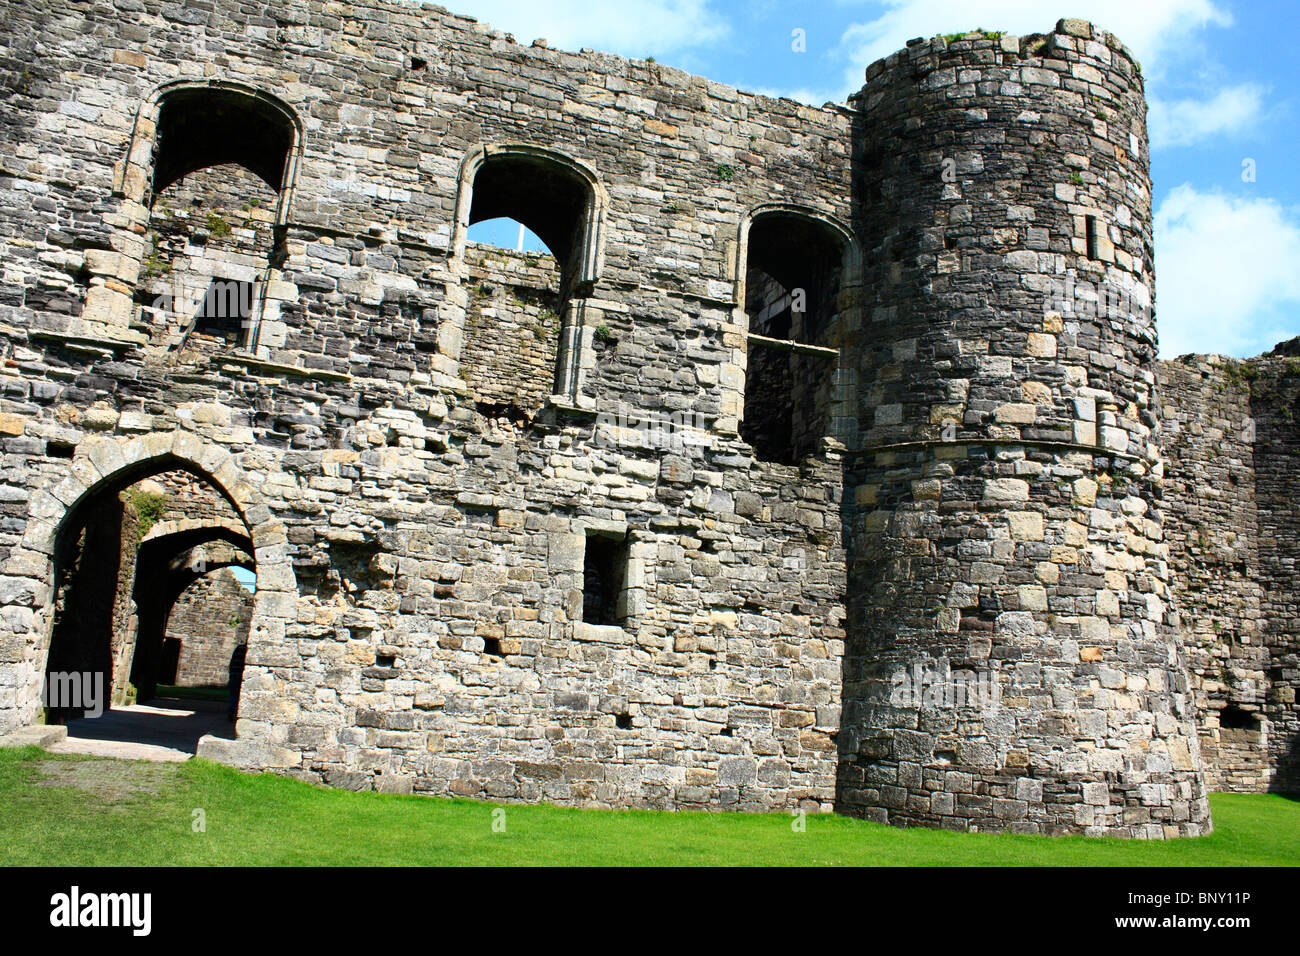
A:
(120, 588)
(81, 551)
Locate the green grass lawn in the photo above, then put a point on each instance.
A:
(67, 810)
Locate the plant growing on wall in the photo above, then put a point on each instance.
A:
(148, 506)
(987, 34)
(155, 265)
(218, 226)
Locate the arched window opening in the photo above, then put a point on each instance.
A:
(221, 163)
(794, 275)
(149, 609)
(527, 237)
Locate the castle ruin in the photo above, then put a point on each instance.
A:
(811, 415)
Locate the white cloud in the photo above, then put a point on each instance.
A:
(1226, 273)
(633, 28)
(802, 94)
(1150, 28)
(1233, 110)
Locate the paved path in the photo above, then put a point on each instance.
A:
(165, 729)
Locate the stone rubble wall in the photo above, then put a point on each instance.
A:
(1230, 439)
(1275, 398)
(1212, 527)
(190, 498)
(215, 224)
(124, 616)
(512, 329)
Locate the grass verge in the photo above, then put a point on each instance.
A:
(92, 811)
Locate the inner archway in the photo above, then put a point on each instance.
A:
(194, 608)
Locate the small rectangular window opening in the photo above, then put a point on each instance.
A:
(1090, 228)
(604, 579)
(226, 311)
(1234, 718)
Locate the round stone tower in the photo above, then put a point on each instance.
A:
(1014, 660)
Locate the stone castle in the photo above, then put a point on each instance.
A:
(825, 464)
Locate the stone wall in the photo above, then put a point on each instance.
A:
(420, 560)
(422, 497)
(1213, 532)
(1231, 499)
(123, 615)
(512, 328)
(189, 497)
(1275, 398)
(208, 247)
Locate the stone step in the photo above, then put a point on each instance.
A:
(38, 735)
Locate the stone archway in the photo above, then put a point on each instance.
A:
(173, 557)
(27, 611)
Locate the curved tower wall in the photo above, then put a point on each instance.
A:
(1005, 529)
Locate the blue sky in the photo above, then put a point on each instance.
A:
(1222, 84)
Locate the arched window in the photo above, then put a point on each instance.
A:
(215, 175)
(523, 329)
(797, 269)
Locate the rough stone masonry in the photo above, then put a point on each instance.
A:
(794, 416)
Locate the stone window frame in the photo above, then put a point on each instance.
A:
(622, 554)
(569, 550)
(1092, 238)
(575, 352)
(133, 182)
(843, 419)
